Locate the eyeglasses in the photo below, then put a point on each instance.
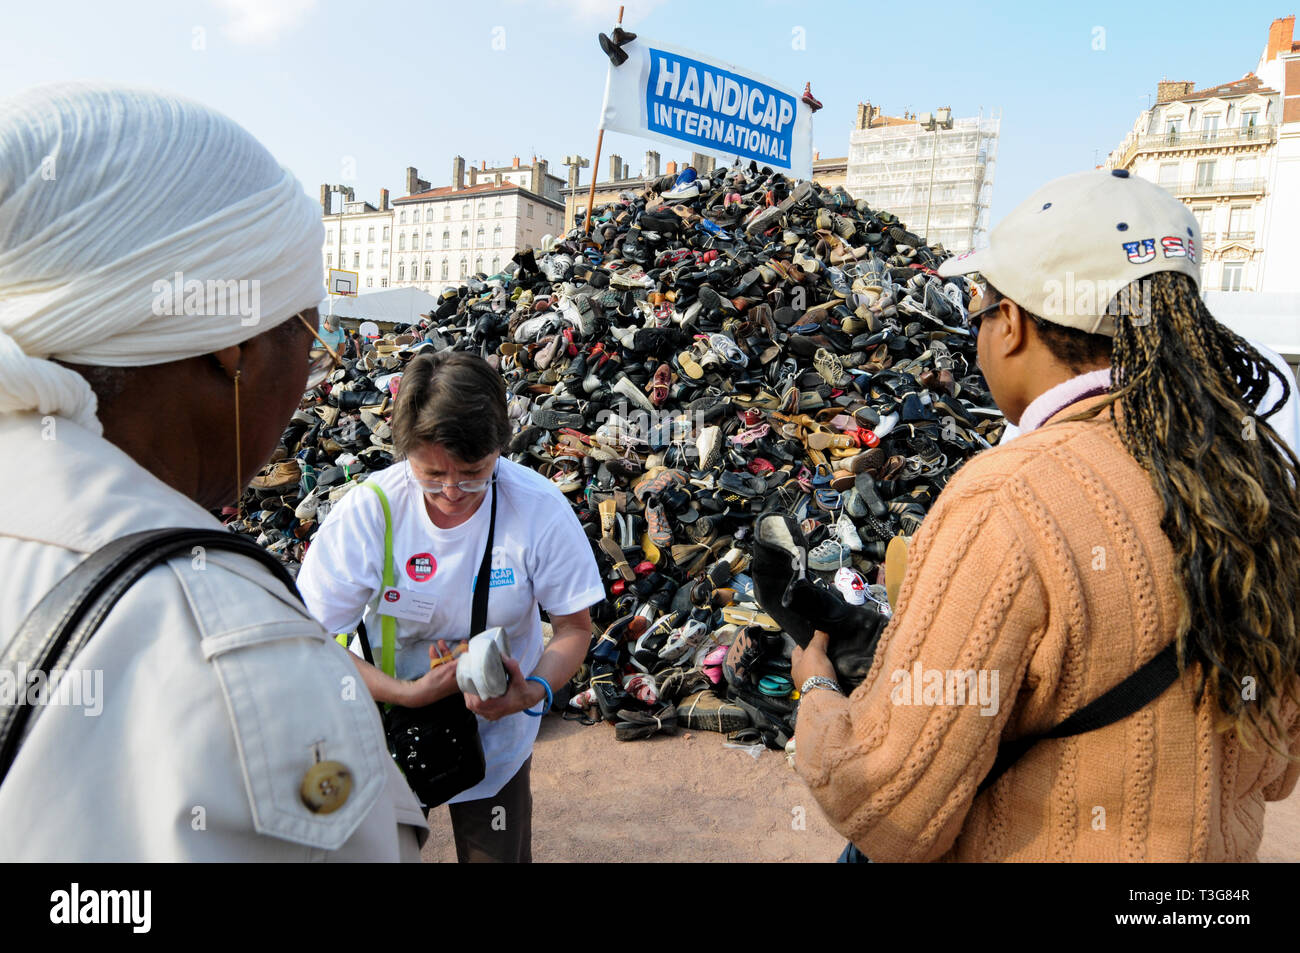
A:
(464, 486)
(319, 366)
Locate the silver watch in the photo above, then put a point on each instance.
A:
(820, 681)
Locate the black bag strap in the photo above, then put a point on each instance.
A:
(478, 612)
(67, 617)
(483, 583)
(1135, 692)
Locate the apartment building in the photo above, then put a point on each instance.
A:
(1231, 153)
(356, 236)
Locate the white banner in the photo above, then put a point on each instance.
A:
(676, 96)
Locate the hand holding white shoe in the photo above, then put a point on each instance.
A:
(520, 694)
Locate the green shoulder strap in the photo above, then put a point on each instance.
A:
(388, 625)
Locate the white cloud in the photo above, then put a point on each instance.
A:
(258, 22)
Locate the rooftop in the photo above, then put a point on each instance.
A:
(483, 188)
(1250, 83)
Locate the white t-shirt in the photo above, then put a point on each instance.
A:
(540, 557)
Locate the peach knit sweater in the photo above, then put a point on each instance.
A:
(1042, 561)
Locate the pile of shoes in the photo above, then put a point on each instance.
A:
(722, 352)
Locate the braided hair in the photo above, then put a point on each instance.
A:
(1184, 396)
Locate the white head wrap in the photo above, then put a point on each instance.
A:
(137, 228)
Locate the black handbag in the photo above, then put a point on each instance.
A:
(66, 618)
(438, 746)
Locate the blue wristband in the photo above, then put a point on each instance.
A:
(550, 697)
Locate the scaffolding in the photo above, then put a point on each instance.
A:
(891, 167)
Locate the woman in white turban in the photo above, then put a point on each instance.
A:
(157, 274)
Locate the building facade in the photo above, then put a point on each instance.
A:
(1231, 153)
(356, 237)
(937, 177)
(830, 173)
(475, 225)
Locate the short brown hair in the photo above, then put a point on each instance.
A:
(455, 399)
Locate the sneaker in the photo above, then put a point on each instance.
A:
(828, 556)
(851, 585)
(847, 533)
(709, 444)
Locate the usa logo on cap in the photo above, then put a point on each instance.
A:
(1173, 247)
(1141, 251)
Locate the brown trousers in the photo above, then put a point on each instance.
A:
(497, 829)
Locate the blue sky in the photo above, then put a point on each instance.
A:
(354, 92)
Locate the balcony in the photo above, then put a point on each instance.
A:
(1240, 236)
(1265, 134)
(1218, 187)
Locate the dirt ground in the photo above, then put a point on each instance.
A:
(687, 798)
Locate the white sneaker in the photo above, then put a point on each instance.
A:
(709, 443)
(847, 534)
(851, 586)
(480, 669)
(306, 508)
(624, 387)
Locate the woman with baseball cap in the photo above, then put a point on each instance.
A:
(1142, 532)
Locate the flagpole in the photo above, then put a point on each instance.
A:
(595, 166)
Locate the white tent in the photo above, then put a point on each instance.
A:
(390, 306)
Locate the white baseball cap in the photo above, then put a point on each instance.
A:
(1067, 250)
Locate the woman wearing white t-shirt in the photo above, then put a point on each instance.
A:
(449, 426)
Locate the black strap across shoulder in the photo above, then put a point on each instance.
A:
(1135, 692)
(67, 617)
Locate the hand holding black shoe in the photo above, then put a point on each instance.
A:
(801, 606)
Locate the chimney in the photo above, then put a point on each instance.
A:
(863, 120)
(672, 168)
(473, 176)
(574, 172)
(615, 168)
(514, 163)
(325, 199)
(457, 173)
(412, 180)
(482, 165)
(1169, 90)
(497, 179)
(536, 170)
(816, 155)
(383, 200)
(1280, 34)
(652, 165)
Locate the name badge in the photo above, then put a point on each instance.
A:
(403, 604)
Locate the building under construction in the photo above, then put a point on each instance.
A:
(932, 171)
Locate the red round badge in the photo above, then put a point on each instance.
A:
(421, 566)
(392, 595)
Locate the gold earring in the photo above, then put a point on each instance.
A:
(239, 463)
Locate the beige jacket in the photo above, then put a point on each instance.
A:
(203, 693)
